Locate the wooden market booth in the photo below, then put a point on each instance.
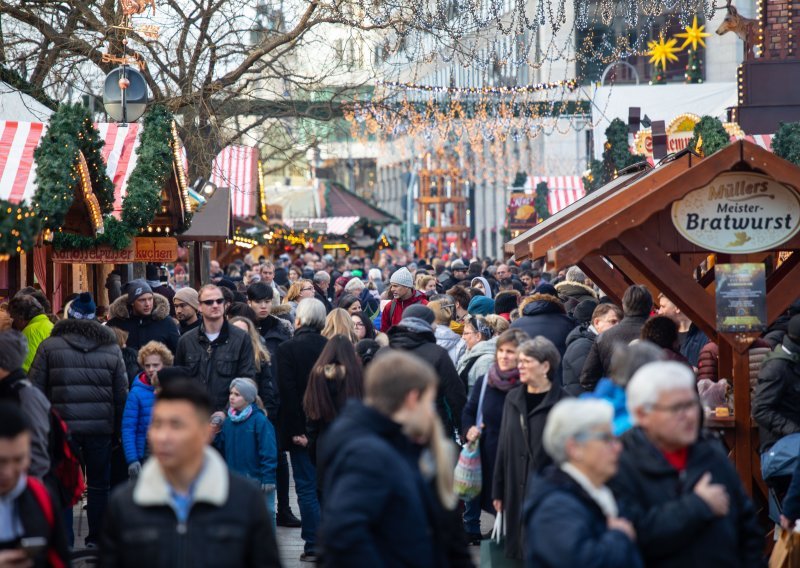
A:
(624, 233)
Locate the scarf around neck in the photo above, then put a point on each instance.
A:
(503, 381)
(242, 415)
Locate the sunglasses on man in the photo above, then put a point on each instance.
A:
(217, 301)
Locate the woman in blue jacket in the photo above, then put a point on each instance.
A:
(247, 439)
(152, 357)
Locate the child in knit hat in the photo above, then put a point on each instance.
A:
(247, 439)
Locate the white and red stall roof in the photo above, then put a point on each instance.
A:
(236, 167)
(562, 190)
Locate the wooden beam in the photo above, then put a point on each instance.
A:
(739, 356)
(783, 270)
(784, 292)
(689, 296)
(611, 281)
(635, 275)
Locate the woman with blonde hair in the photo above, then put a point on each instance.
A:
(339, 322)
(299, 290)
(267, 389)
(426, 283)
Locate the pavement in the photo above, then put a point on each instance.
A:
(290, 544)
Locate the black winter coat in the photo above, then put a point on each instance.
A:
(520, 454)
(674, 527)
(296, 358)
(233, 531)
(80, 370)
(776, 403)
(451, 395)
(547, 319)
(216, 363)
(378, 509)
(579, 343)
(274, 331)
(158, 326)
(565, 528)
(598, 362)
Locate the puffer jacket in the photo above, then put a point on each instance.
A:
(776, 404)
(708, 361)
(216, 363)
(80, 369)
(546, 317)
(415, 336)
(37, 330)
(136, 419)
(451, 341)
(158, 326)
(476, 362)
(598, 362)
(579, 343)
(573, 293)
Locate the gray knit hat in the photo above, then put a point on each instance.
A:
(246, 387)
(402, 277)
(13, 348)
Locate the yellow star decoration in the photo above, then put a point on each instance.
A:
(693, 35)
(662, 51)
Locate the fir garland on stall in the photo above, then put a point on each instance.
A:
(786, 142)
(19, 227)
(617, 156)
(540, 202)
(140, 205)
(711, 135)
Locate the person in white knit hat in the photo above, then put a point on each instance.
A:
(402, 295)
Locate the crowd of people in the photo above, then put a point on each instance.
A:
(188, 410)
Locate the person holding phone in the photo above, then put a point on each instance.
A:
(31, 533)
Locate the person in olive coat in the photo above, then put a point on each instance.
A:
(520, 453)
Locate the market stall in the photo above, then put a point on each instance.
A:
(661, 227)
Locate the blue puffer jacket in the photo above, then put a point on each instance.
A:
(250, 447)
(136, 419)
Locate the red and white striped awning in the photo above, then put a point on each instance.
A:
(18, 140)
(236, 167)
(763, 140)
(332, 225)
(562, 190)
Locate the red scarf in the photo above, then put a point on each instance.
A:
(678, 458)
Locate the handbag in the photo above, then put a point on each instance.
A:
(786, 553)
(468, 477)
(493, 553)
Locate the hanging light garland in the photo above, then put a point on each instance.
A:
(570, 85)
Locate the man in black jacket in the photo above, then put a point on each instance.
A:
(415, 334)
(145, 316)
(216, 353)
(776, 403)
(187, 309)
(637, 302)
(80, 370)
(186, 508)
(27, 510)
(679, 489)
(580, 340)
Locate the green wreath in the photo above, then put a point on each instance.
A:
(19, 227)
(139, 208)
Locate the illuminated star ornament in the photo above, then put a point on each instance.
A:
(662, 51)
(693, 35)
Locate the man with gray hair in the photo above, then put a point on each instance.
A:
(322, 281)
(678, 487)
(571, 517)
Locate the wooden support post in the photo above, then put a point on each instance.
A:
(736, 351)
(50, 275)
(611, 281)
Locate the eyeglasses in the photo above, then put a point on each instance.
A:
(677, 408)
(463, 333)
(606, 437)
(358, 324)
(217, 301)
(306, 289)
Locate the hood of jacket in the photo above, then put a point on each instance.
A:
(84, 335)
(272, 327)
(574, 290)
(410, 333)
(486, 288)
(488, 347)
(280, 310)
(581, 332)
(446, 337)
(119, 308)
(542, 306)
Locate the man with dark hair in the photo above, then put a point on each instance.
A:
(636, 306)
(186, 508)
(216, 353)
(81, 371)
(580, 340)
(145, 316)
(461, 299)
(378, 510)
(28, 514)
(28, 316)
(15, 387)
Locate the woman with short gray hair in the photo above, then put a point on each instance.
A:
(520, 453)
(571, 517)
(310, 313)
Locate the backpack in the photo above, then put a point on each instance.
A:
(42, 497)
(66, 467)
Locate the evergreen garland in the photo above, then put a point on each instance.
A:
(786, 142)
(616, 156)
(520, 179)
(713, 135)
(19, 227)
(540, 201)
(694, 69)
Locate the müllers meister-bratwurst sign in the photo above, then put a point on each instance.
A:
(739, 213)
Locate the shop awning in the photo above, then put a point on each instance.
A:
(562, 190)
(236, 167)
(323, 225)
(18, 140)
(214, 221)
